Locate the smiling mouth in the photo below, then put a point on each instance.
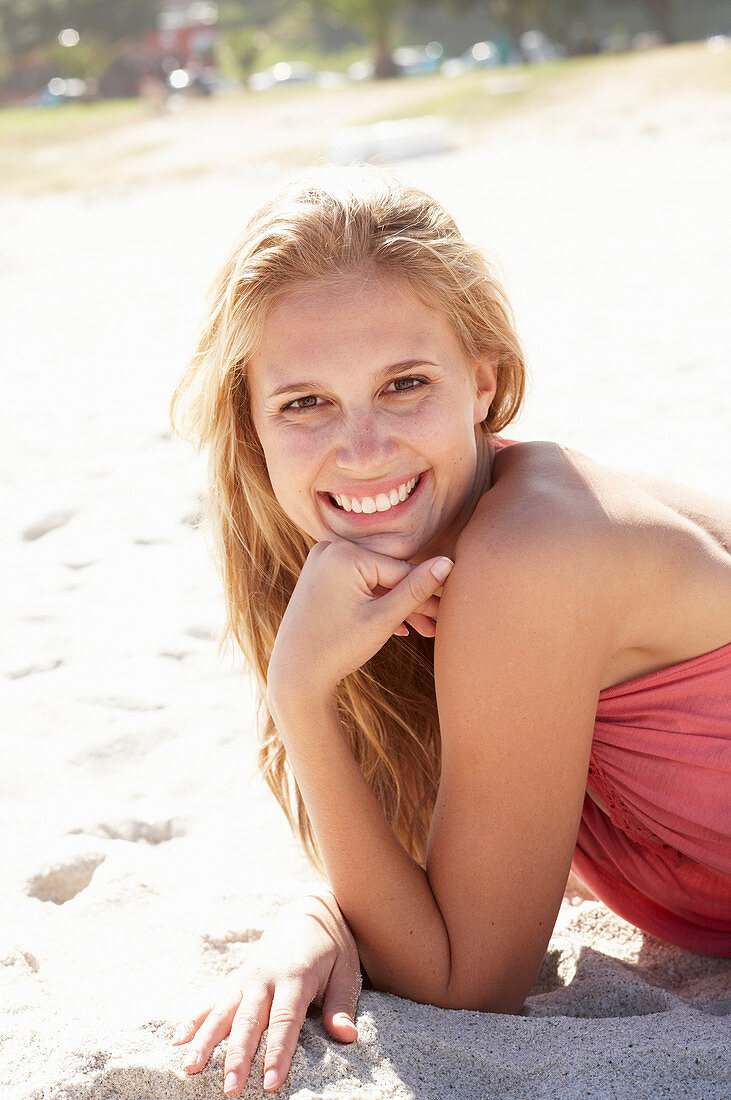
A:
(381, 502)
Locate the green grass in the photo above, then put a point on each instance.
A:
(67, 121)
(467, 97)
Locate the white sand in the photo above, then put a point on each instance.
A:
(140, 854)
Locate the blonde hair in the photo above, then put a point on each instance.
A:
(325, 222)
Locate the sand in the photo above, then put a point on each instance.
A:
(140, 856)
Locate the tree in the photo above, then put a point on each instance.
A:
(28, 24)
(662, 14)
(375, 19)
(514, 17)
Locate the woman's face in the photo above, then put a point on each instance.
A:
(365, 405)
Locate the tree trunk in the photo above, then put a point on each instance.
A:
(384, 67)
(661, 12)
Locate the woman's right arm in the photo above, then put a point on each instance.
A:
(307, 954)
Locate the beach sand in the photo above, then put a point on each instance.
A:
(140, 854)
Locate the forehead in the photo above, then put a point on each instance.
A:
(365, 316)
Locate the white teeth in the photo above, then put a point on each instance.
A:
(383, 502)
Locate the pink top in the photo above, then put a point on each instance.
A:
(661, 763)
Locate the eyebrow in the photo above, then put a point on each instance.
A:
(310, 385)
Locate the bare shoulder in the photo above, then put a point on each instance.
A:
(549, 511)
(648, 559)
(537, 553)
(537, 478)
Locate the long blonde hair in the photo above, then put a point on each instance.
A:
(323, 223)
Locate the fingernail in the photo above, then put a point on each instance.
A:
(442, 568)
(192, 1063)
(231, 1083)
(270, 1079)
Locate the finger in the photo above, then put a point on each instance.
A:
(215, 1028)
(246, 1031)
(413, 591)
(185, 1031)
(424, 618)
(289, 1009)
(340, 1002)
(422, 625)
(430, 608)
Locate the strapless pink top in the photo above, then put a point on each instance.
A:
(661, 763)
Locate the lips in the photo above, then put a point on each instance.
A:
(389, 499)
(379, 502)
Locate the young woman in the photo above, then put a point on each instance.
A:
(479, 661)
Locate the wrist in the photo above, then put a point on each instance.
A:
(293, 697)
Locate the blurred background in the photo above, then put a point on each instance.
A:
(60, 51)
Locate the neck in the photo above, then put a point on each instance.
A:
(446, 541)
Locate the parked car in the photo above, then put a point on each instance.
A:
(417, 60)
(59, 90)
(481, 55)
(536, 46)
(284, 72)
(409, 61)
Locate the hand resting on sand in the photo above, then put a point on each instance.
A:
(307, 954)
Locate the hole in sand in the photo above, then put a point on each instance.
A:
(64, 881)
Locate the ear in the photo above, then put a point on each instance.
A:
(485, 375)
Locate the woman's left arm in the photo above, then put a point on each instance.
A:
(517, 672)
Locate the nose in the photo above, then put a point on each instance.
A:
(365, 446)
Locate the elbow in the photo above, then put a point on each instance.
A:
(503, 1001)
(498, 989)
(500, 1002)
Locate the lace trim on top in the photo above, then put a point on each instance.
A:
(622, 816)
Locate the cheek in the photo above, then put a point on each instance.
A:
(448, 432)
(291, 463)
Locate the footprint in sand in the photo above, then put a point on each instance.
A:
(202, 633)
(120, 702)
(225, 940)
(60, 882)
(17, 957)
(136, 831)
(192, 519)
(48, 523)
(591, 985)
(31, 670)
(228, 950)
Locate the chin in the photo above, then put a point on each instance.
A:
(395, 546)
